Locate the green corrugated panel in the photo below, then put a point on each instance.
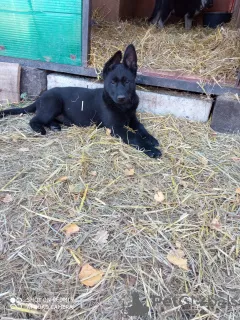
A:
(45, 30)
(63, 6)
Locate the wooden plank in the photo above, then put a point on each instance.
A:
(236, 13)
(9, 83)
(144, 78)
(184, 83)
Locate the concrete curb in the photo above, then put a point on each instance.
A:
(226, 115)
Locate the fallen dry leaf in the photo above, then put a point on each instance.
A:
(183, 183)
(129, 172)
(215, 224)
(101, 237)
(159, 196)
(90, 276)
(178, 244)
(6, 199)
(62, 179)
(238, 190)
(176, 257)
(108, 132)
(70, 229)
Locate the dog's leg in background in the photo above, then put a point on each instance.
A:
(166, 11)
(188, 21)
(139, 127)
(135, 141)
(156, 12)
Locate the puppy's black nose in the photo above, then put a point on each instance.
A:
(121, 99)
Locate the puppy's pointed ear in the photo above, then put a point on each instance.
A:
(116, 59)
(130, 58)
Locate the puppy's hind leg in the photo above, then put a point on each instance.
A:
(37, 126)
(54, 125)
(64, 120)
(48, 108)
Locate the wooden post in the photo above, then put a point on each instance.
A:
(236, 13)
(86, 31)
(9, 83)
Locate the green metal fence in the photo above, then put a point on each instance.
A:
(50, 31)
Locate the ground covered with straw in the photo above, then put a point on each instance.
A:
(202, 52)
(169, 228)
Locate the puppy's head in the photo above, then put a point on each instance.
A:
(119, 78)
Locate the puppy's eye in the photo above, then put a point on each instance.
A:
(113, 82)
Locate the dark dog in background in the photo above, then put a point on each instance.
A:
(113, 107)
(181, 8)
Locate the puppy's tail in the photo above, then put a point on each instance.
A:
(13, 111)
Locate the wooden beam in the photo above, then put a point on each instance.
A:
(9, 83)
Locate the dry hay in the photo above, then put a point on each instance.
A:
(202, 52)
(198, 176)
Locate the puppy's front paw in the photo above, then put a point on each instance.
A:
(151, 140)
(153, 153)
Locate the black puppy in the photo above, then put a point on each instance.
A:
(113, 107)
(181, 8)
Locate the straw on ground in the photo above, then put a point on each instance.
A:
(198, 175)
(210, 54)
